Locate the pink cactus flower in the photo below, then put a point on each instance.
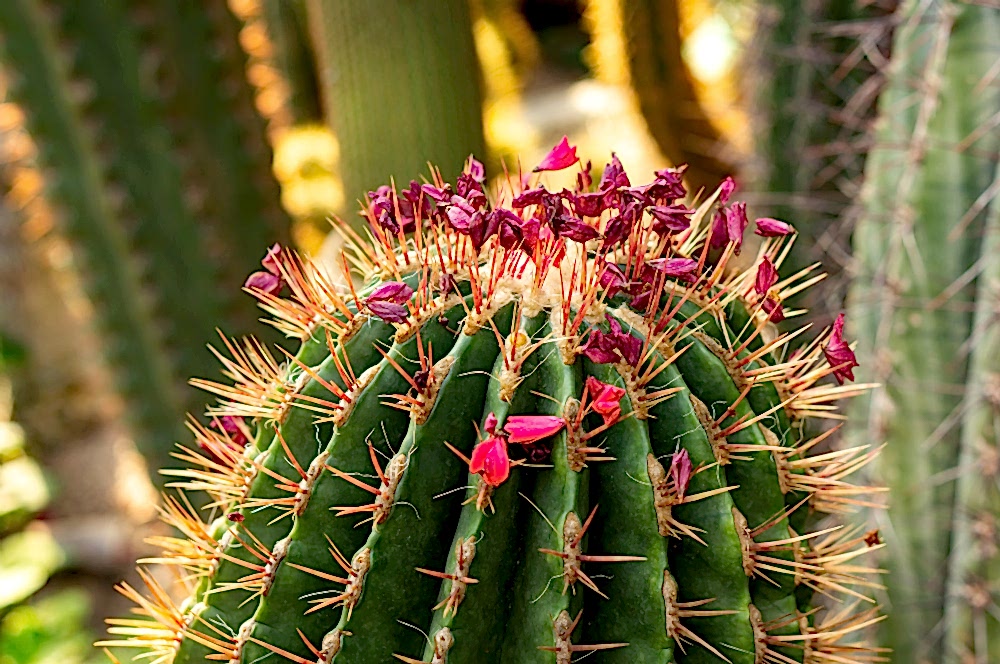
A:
(563, 155)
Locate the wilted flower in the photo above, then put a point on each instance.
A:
(388, 301)
(839, 354)
(682, 268)
(767, 227)
(604, 399)
(269, 280)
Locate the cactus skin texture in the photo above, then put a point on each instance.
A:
(378, 56)
(924, 304)
(527, 441)
(151, 179)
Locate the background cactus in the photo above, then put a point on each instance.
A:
(817, 70)
(378, 60)
(546, 426)
(139, 123)
(924, 302)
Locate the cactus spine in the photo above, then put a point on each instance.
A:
(157, 193)
(926, 271)
(545, 427)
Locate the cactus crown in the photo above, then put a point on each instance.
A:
(551, 424)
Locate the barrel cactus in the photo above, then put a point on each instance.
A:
(550, 424)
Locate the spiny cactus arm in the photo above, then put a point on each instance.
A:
(974, 562)
(222, 143)
(622, 527)
(43, 84)
(711, 568)
(381, 621)
(323, 533)
(918, 237)
(376, 58)
(259, 527)
(542, 591)
(163, 232)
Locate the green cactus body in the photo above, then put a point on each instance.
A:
(925, 279)
(531, 465)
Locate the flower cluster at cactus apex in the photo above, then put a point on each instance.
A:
(532, 426)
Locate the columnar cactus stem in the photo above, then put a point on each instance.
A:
(563, 444)
(152, 177)
(921, 265)
(378, 57)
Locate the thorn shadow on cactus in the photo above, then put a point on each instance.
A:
(547, 470)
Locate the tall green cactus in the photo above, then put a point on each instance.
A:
(400, 87)
(925, 304)
(816, 77)
(545, 428)
(156, 166)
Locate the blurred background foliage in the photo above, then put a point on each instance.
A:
(152, 149)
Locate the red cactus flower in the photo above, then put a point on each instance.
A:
(605, 400)
(532, 428)
(490, 461)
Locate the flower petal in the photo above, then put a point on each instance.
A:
(561, 156)
(531, 428)
(490, 460)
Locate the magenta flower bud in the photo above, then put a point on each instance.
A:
(736, 224)
(682, 268)
(614, 175)
(839, 354)
(772, 307)
(671, 218)
(270, 260)
(577, 230)
(680, 472)
(726, 190)
(767, 227)
(264, 282)
(475, 169)
(613, 279)
(561, 156)
(767, 277)
(388, 302)
(490, 424)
